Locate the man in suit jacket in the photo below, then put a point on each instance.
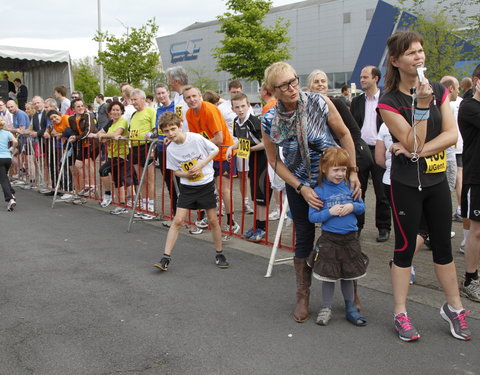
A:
(363, 109)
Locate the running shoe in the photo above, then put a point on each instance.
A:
(258, 236)
(11, 205)
(235, 227)
(163, 264)
(202, 223)
(248, 233)
(247, 207)
(406, 331)
(221, 261)
(26, 187)
(274, 215)
(412, 275)
(84, 192)
(457, 322)
(456, 217)
(44, 191)
(472, 291)
(195, 230)
(145, 216)
(67, 196)
(119, 211)
(324, 316)
(137, 215)
(107, 200)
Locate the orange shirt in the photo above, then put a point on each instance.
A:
(60, 128)
(210, 121)
(269, 105)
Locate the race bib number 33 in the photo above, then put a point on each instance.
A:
(437, 163)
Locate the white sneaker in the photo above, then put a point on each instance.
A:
(11, 205)
(274, 215)
(248, 208)
(119, 210)
(202, 223)
(147, 217)
(107, 199)
(235, 227)
(67, 196)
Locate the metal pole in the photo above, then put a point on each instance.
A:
(100, 44)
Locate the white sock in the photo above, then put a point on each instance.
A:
(465, 235)
(454, 310)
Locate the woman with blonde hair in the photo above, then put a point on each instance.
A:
(301, 123)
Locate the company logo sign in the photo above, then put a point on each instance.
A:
(184, 51)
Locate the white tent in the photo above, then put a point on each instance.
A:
(42, 69)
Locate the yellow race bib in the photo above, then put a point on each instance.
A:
(437, 163)
(243, 148)
(186, 167)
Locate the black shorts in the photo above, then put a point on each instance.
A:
(119, 172)
(258, 177)
(86, 151)
(459, 160)
(197, 197)
(138, 155)
(471, 202)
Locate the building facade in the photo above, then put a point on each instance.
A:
(336, 36)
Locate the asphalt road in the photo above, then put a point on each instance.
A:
(79, 295)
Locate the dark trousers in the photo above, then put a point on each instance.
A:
(5, 164)
(382, 206)
(168, 176)
(304, 229)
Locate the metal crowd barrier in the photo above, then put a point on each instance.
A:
(49, 162)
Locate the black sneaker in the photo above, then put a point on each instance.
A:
(457, 321)
(163, 264)
(221, 261)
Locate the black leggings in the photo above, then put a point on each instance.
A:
(8, 191)
(304, 229)
(408, 205)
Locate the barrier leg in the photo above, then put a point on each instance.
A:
(273, 254)
(140, 184)
(62, 169)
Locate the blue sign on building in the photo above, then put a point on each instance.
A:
(184, 51)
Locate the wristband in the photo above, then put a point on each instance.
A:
(421, 114)
(299, 188)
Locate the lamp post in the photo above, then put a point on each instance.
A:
(100, 44)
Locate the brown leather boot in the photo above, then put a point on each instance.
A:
(303, 275)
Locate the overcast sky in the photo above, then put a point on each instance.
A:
(70, 25)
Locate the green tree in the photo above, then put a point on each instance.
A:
(85, 80)
(200, 79)
(444, 41)
(132, 57)
(112, 90)
(249, 46)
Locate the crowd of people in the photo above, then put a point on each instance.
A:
(416, 139)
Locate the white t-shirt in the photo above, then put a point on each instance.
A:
(181, 107)
(454, 107)
(194, 148)
(385, 136)
(129, 110)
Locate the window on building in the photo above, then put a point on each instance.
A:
(369, 14)
(346, 17)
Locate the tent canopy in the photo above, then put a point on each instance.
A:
(42, 69)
